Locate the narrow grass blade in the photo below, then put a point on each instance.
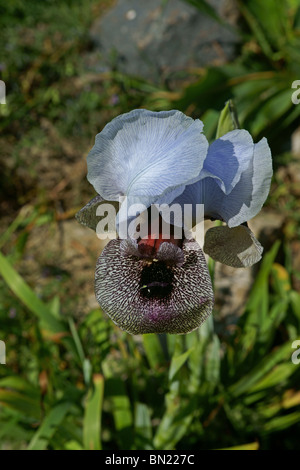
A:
(282, 422)
(206, 8)
(275, 377)
(46, 431)
(24, 404)
(22, 290)
(175, 422)
(92, 415)
(142, 427)
(251, 446)
(86, 365)
(178, 359)
(153, 350)
(280, 354)
(120, 407)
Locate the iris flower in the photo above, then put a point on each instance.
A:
(154, 284)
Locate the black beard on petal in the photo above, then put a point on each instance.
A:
(156, 280)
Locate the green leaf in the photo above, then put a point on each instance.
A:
(143, 427)
(228, 120)
(24, 404)
(282, 422)
(276, 376)
(212, 361)
(175, 422)
(262, 278)
(257, 28)
(295, 302)
(269, 21)
(206, 8)
(51, 423)
(73, 445)
(210, 120)
(86, 365)
(21, 385)
(28, 297)
(255, 323)
(26, 214)
(273, 108)
(248, 381)
(210, 91)
(177, 362)
(153, 350)
(250, 446)
(120, 407)
(92, 415)
(54, 306)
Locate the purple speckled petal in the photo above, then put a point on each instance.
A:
(153, 296)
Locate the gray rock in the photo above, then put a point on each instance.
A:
(157, 39)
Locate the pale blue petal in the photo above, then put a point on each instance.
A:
(228, 158)
(252, 190)
(127, 212)
(144, 154)
(247, 197)
(205, 191)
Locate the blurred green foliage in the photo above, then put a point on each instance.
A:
(81, 383)
(94, 387)
(260, 79)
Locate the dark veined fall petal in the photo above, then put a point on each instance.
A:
(236, 247)
(154, 295)
(87, 216)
